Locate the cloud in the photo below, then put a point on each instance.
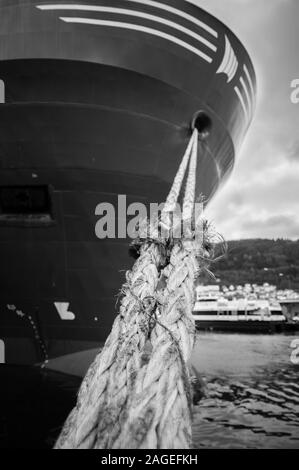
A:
(264, 197)
(261, 199)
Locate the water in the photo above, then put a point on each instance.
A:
(252, 392)
(252, 396)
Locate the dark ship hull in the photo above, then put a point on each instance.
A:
(98, 100)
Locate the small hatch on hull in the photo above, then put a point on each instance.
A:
(25, 204)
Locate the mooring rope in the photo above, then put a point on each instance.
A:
(125, 401)
(189, 199)
(175, 190)
(112, 368)
(159, 407)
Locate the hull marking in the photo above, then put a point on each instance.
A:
(229, 64)
(63, 312)
(180, 13)
(249, 80)
(2, 91)
(246, 93)
(150, 3)
(143, 29)
(2, 352)
(139, 14)
(239, 94)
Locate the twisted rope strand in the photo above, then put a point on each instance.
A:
(124, 402)
(111, 371)
(161, 401)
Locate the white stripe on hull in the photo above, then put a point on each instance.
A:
(143, 29)
(229, 62)
(150, 3)
(246, 93)
(180, 13)
(249, 80)
(138, 14)
(239, 94)
(252, 92)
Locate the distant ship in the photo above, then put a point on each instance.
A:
(98, 99)
(214, 312)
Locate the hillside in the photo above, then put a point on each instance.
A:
(258, 261)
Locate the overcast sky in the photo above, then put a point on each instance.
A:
(261, 199)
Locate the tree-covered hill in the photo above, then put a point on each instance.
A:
(258, 261)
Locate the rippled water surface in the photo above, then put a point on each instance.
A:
(252, 392)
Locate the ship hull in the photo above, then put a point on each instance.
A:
(98, 104)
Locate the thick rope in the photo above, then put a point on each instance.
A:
(174, 192)
(96, 421)
(159, 408)
(167, 217)
(113, 369)
(189, 199)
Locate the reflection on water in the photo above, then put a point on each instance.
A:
(252, 392)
